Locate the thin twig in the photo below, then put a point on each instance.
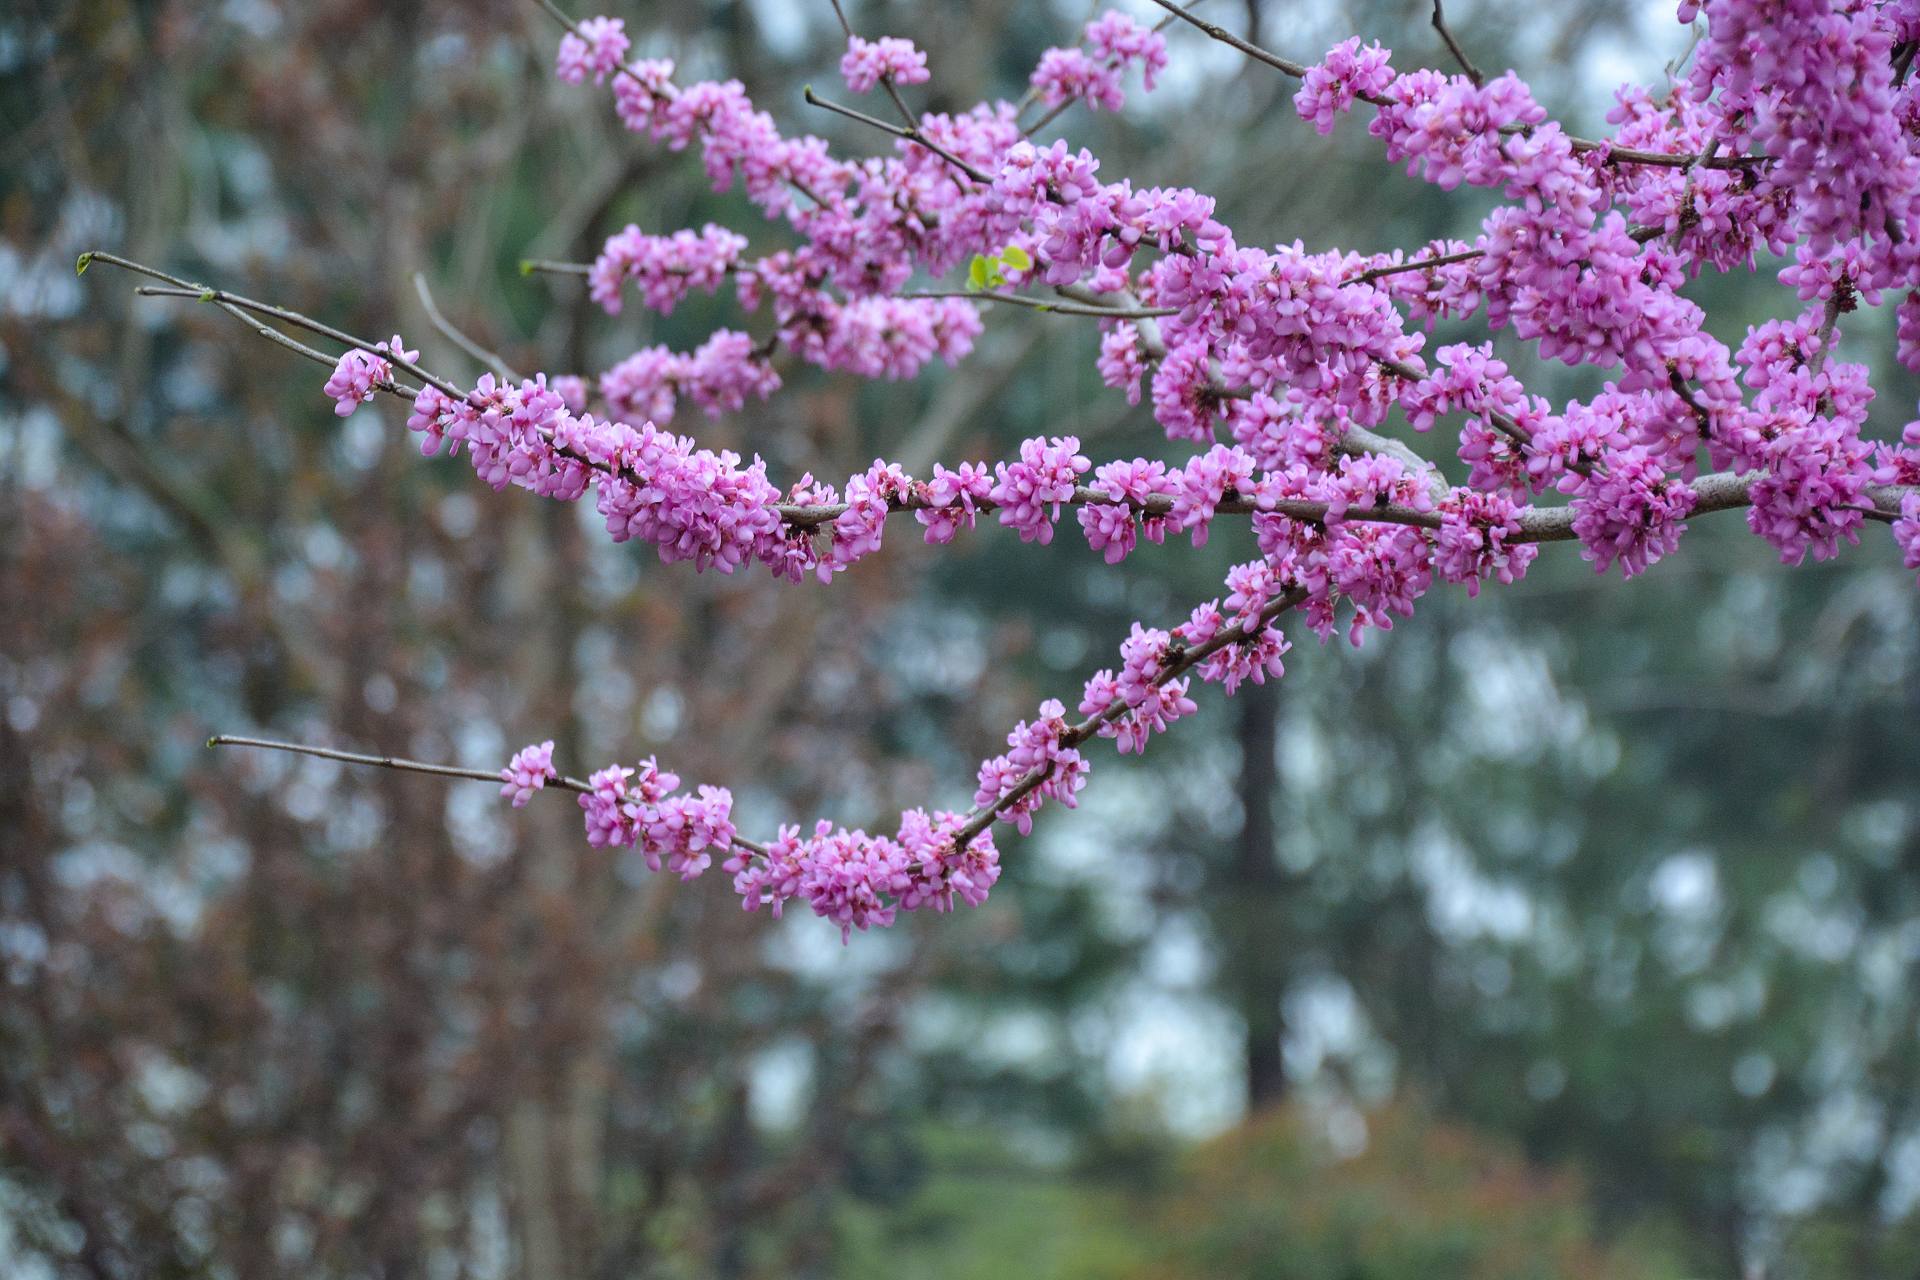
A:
(383, 762)
(1453, 46)
(185, 289)
(1416, 264)
(1640, 235)
(910, 134)
(1057, 308)
(1048, 118)
(453, 334)
(416, 766)
(1842, 300)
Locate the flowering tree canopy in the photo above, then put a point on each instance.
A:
(1288, 382)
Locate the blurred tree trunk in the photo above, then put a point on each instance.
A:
(1259, 952)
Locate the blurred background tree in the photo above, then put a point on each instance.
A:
(1569, 934)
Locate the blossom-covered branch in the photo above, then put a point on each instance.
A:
(1278, 375)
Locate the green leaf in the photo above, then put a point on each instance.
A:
(86, 260)
(1016, 257)
(979, 272)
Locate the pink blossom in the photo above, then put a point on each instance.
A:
(1120, 42)
(598, 48)
(1121, 363)
(1346, 73)
(1029, 492)
(1112, 529)
(527, 772)
(360, 374)
(1036, 761)
(1475, 540)
(1906, 531)
(951, 498)
(867, 62)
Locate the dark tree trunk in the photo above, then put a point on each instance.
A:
(1255, 900)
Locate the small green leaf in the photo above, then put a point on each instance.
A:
(86, 260)
(206, 295)
(1016, 257)
(526, 266)
(978, 273)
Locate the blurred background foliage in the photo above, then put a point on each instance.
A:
(1569, 932)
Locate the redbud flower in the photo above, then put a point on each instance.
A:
(597, 49)
(527, 772)
(867, 62)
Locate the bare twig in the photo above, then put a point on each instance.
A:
(547, 266)
(1052, 114)
(453, 334)
(404, 765)
(910, 134)
(1639, 234)
(1058, 308)
(1453, 46)
(383, 762)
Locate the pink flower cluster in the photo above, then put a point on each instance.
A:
(1040, 764)
(1810, 83)
(720, 376)
(860, 881)
(527, 772)
(361, 375)
(1270, 370)
(1347, 73)
(1151, 702)
(596, 47)
(1029, 492)
(666, 268)
(1906, 531)
(642, 808)
(1077, 75)
(868, 62)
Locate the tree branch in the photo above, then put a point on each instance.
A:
(910, 134)
(1453, 46)
(1615, 155)
(485, 356)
